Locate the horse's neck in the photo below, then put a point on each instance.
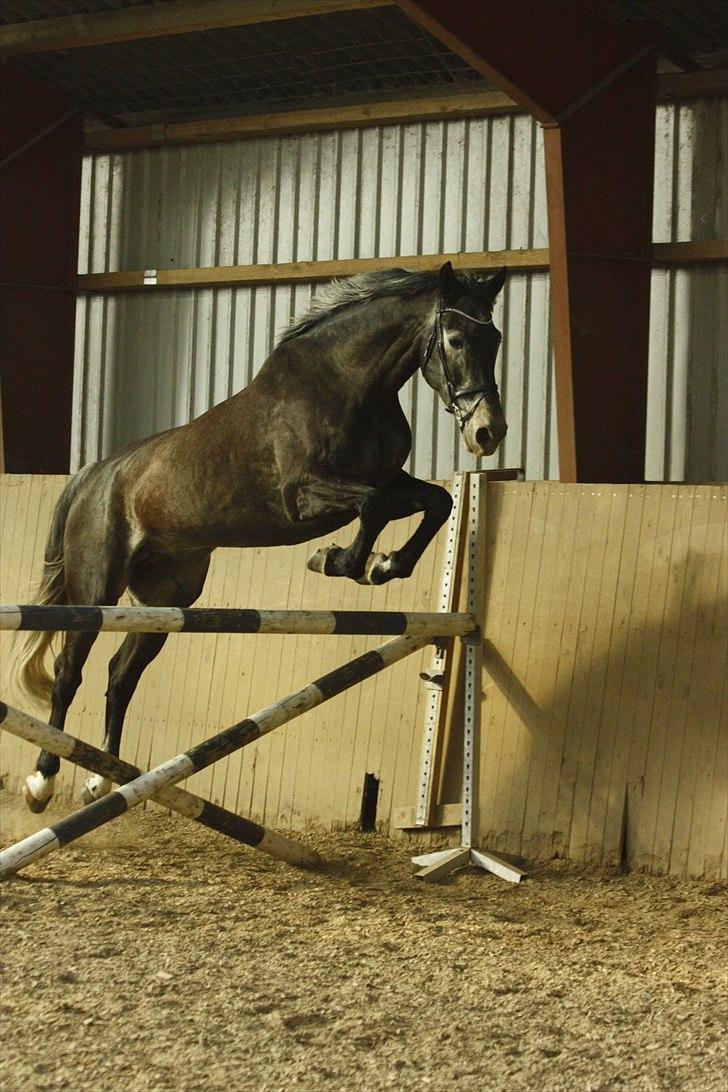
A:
(386, 336)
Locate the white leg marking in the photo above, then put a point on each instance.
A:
(95, 787)
(40, 787)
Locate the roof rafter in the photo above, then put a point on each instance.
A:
(158, 20)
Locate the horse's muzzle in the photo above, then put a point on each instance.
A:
(484, 431)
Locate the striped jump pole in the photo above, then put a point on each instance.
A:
(176, 769)
(232, 620)
(185, 803)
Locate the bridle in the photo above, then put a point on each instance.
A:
(491, 391)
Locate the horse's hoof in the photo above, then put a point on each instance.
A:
(32, 803)
(377, 570)
(37, 791)
(94, 788)
(322, 560)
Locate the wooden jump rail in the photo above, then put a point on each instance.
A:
(150, 785)
(185, 803)
(232, 620)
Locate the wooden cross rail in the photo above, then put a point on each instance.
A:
(176, 769)
(185, 803)
(232, 620)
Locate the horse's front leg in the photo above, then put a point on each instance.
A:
(375, 508)
(317, 496)
(408, 495)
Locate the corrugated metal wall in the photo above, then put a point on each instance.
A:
(148, 361)
(688, 389)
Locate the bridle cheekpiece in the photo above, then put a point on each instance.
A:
(436, 338)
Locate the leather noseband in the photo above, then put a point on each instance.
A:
(436, 338)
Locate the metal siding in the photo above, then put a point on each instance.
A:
(687, 437)
(147, 362)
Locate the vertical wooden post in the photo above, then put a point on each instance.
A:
(40, 190)
(590, 79)
(599, 174)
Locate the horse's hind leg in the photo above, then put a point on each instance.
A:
(161, 582)
(125, 670)
(92, 576)
(38, 788)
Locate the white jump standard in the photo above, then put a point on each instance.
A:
(176, 769)
(433, 866)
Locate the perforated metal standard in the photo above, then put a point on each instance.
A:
(470, 709)
(434, 701)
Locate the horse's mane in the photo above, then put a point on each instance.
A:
(363, 287)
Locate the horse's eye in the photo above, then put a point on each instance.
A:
(455, 342)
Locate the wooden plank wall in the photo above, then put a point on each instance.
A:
(605, 675)
(312, 772)
(604, 691)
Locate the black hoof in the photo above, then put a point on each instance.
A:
(324, 561)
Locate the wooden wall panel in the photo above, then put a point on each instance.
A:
(605, 675)
(311, 773)
(604, 688)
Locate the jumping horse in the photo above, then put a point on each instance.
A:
(317, 439)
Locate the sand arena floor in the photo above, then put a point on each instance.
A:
(156, 956)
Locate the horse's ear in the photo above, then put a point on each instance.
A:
(449, 283)
(496, 282)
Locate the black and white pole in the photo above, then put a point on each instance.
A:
(56, 619)
(176, 769)
(433, 866)
(185, 803)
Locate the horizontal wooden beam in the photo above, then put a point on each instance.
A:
(707, 251)
(304, 272)
(453, 107)
(688, 85)
(467, 104)
(158, 20)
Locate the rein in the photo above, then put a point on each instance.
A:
(436, 338)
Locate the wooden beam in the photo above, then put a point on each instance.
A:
(598, 109)
(689, 85)
(464, 104)
(40, 198)
(708, 251)
(601, 253)
(514, 44)
(159, 20)
(467, 104)
(293, 272)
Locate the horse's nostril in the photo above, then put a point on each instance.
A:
(483, 437)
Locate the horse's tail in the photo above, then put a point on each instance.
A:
(27, 669)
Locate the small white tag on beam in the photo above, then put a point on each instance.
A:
(150, 276)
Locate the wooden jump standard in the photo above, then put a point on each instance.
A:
(151, 784)
(209, 620)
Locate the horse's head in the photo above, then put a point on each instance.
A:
(459, 360)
